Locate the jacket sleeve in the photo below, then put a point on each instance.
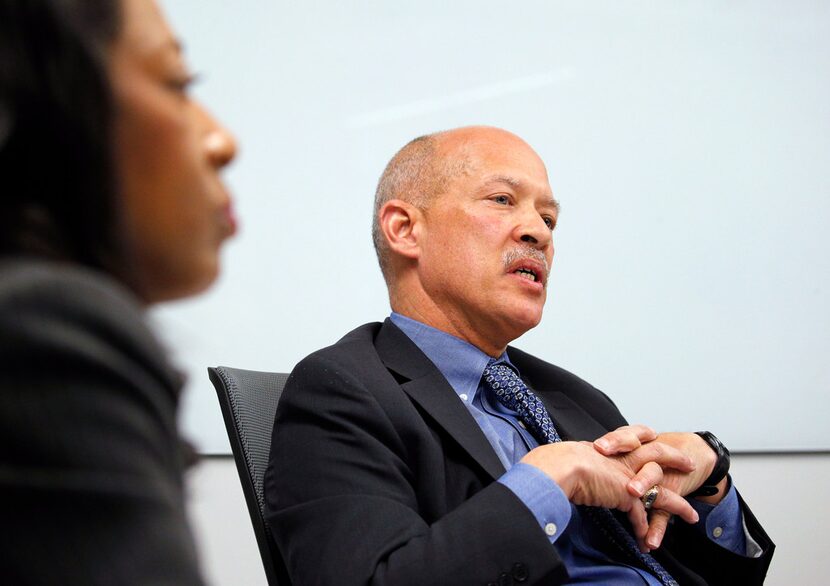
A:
(90, 461)
(342, 501)
(712, 564)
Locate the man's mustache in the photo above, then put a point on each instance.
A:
(526, 252)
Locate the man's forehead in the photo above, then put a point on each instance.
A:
(491, 151)
(513, 182)
(486, 157)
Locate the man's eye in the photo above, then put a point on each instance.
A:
(501, 199)
(549, 222)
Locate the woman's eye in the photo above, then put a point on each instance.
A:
(182, 84)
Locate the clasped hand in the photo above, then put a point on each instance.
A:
(617, 469)
(631, 439)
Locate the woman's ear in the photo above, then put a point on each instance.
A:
(400, 223)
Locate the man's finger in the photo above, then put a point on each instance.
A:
(650, 474)
(671, 502)
(624, 439)
(665, 455)
(658, 523)
(638, 518)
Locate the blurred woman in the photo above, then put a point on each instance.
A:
(111, 201)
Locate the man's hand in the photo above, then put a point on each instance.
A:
(629, 440)
(589, 478)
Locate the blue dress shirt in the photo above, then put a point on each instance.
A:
(462, 364)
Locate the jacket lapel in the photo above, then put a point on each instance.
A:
(424, 384)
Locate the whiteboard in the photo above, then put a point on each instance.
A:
(688, 142)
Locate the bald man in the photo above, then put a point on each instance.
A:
(425, 450)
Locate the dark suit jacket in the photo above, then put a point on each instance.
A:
(90, 460)
(379, 475)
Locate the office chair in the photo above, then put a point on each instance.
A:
(249, 401)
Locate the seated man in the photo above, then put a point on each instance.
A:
(424, 450)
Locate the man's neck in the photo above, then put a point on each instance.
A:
(455, 327)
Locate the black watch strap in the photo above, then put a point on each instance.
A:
(709, 486)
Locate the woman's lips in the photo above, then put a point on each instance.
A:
(228, 219)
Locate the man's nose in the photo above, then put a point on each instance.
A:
(533, 231)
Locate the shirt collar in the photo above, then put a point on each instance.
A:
(461, 363)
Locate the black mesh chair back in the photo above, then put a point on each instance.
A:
(249, 401)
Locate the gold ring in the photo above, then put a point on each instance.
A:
(650, 496)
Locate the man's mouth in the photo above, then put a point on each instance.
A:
(527, 263)
(527, 274)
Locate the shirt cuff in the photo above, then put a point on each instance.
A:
(542, 496)
(723, 523)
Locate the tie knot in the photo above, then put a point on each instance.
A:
(509, 389)
(503, 380)
(499, 374)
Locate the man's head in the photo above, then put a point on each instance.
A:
(463, 222)
(416, 174)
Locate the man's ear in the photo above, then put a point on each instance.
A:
(400, 223)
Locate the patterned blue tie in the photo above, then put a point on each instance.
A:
(511, 392)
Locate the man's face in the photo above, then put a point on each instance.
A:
(486, 244)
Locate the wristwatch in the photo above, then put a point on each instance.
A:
(709, 486)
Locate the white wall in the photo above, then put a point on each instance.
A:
(688, 142)
(786, 492)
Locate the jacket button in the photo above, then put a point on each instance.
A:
(505, 579)
(520, 573)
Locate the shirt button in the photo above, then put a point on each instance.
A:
(463, 396)
(550, 529)
(717, 532)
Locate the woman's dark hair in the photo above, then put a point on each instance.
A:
(56, 171)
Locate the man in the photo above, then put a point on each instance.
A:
(410, 452)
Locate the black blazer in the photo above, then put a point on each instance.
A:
(90, 459)
(379, 475)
